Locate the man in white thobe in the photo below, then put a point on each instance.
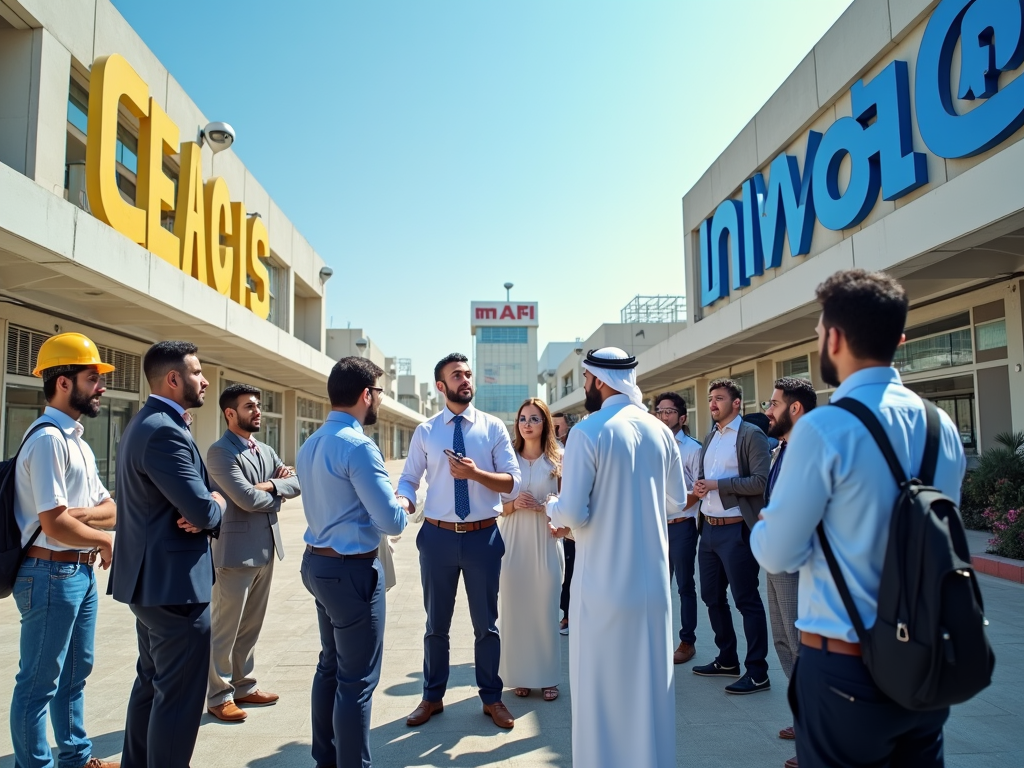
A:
(621, 473)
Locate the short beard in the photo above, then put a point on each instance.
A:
(829, 374)
(249, 426)
(593, 401)
(455, 397)
(781, 427)
(371, 416)
(83, 403)
(191, 396)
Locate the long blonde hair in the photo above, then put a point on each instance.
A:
(548, 442)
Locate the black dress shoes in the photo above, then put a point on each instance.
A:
(714, 669)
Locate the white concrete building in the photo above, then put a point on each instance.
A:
(113, 223)
(894, 145)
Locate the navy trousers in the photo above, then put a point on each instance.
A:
(569, 548)
(682, 560)
(842, 720)
(726, 560)
(349, 596)
(444, 555)
(167, 702)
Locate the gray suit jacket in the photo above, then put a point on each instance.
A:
(754, 459)
(249, 531)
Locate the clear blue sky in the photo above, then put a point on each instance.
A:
(431, 150)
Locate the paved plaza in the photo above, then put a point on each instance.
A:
(714, 729)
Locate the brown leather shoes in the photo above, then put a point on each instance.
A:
(95, 762)
(228, 712)
(424, 712)
(499, 714)
(258, 697)
(791, 763)
(683, 653)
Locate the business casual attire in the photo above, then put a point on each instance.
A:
(55, 592)
(529, 586)
(737, 456)
(837, 475)
(459, 536)
(682, 543)
(782, 590)
(349, 505)
(243, 555)
(165, 574)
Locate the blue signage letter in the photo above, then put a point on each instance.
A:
(881, 152)
(992, 42)
(714, 267)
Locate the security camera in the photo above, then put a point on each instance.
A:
(220, 136)
(325, 274)
(361, 343)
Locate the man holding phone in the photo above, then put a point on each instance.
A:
(469, 462)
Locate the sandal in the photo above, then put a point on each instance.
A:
(521, 692)
(550, 694)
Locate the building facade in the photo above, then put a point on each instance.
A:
(895, 145)
(116, 224)
(504, 355)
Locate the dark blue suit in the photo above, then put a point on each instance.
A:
(165, 575)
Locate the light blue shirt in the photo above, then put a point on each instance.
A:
(835, 471)
(689, 451)
(346, 494)
(487, 444)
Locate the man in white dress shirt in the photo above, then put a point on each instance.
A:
(670, 407)
(469, 462)
(621, 475)
(733, 473)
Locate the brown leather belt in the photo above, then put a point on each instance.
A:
(829, 644)
(682, 520)
(462, 527)
(722, 520)
(55, 556)
(328, 552)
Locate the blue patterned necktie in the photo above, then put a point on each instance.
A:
(461, 486)
(773, 473)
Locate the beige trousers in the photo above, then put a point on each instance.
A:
(237, 610)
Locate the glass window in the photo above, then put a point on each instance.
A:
(488, 335)
(941, 351)
(501, 398)
(277, 277)
(567, 384)
(78, 107)
(960, 409)
(797, 368)
(310, 416)
(991, 335)
(746, 382)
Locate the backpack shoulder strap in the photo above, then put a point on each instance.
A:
(869, 420)
(933, 427)
(841, 585)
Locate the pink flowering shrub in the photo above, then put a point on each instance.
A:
(992, 496)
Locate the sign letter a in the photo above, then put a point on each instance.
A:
(190, 214)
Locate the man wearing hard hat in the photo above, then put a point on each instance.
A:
(63, 511)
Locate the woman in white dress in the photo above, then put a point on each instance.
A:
(531, 570)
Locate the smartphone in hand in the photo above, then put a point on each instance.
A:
(453, 455)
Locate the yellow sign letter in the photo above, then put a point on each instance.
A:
(258, 300)
(190, 214)
(220, 259)
(158, 136)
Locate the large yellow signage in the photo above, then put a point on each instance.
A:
(213, 239)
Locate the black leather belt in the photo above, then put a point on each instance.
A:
(682, 520)
(328, 552)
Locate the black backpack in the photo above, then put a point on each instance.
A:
(928, 648)
(11, 552)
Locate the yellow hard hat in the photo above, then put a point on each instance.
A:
(69, 349)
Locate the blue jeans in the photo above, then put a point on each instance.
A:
(58, 603)
(350, 610)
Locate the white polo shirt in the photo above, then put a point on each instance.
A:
(53, 472)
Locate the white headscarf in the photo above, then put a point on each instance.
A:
(621, 378)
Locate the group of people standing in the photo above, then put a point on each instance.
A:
(198, 608)
(640, 500)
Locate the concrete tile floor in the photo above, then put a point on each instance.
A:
(715, 730)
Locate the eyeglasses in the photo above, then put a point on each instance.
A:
(660, 411)
(766, 404)
(533, 420)
(376, 389)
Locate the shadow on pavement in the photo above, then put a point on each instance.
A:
(439, 742)
(289, 755)
(104, 746)
(458, 675)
